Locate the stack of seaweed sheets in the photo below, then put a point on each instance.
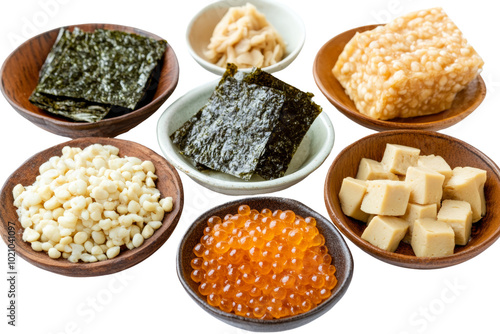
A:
(90, 75)
(252, 124)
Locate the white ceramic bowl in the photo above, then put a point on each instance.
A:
(311, 153)
(288, 24)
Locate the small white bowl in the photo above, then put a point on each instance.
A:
(286, 22)
(314, 149)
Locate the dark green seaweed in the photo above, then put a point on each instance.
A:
(88, 75)
(240, 133)
(76, 109)
(297, 115)
(230, 135)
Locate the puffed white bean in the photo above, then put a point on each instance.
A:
(56, 213)
(155, 224)
(147, 232)
(54, 253)
(133, 207)
(105, 224)
(80, 238)
(149, 182)
(149, 206)
(113, 252)
(26, 221)
(52, 233)
(46, 246)
(88, 246)
(37, 246)
(87, 203)
(137, 240)
(167, 204)
(99, 237)
(101, 257)
(96, 250)
(148, 166)
(99, 193)
(66, 240)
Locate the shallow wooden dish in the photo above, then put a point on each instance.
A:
(19, 77)
(337, 248)
(465, 102)
(168, 183)
(456, 152)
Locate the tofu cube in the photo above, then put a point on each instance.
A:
(417, 211)
(373, 170)
(397, 158)
(458, 214)
(467, 184)
(351, 195)
(426, 185)
(386, 197)
(432, 238)
(370, 217)
(385, 232)
(436, 163)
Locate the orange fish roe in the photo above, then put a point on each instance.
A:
(264, 264)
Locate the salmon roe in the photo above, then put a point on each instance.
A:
(264, 265)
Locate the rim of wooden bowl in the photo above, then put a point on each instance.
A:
(465, 102)
(372, 146)
(36, 50)
(168, 180)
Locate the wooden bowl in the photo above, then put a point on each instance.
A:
(456, 152)
(465, 102)
(19, 77)
(286, 22)
(337, 248)
(168, 183)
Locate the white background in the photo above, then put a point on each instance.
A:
(148, 297)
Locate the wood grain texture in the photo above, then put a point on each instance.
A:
(19, 77)
(168, 183)
(456, 152)
(465, 102)
(337, 248)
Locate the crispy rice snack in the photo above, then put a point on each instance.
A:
(412, 66)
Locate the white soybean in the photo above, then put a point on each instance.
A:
(88, 202)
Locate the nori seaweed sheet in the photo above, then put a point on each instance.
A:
(230, 135)
(297, 115)
(88, 75)
(294, 116)
(76, 109)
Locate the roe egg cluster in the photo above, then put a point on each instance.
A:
(264, 265)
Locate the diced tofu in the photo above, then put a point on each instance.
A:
(373, 170)
(458, 214)
(467, 184)
(386, 197)
(397, 158)
(432, 238)
(370, 217)
(436, 163)
(426, 185)
(351, 195)
(385, 232)
(417, 211)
